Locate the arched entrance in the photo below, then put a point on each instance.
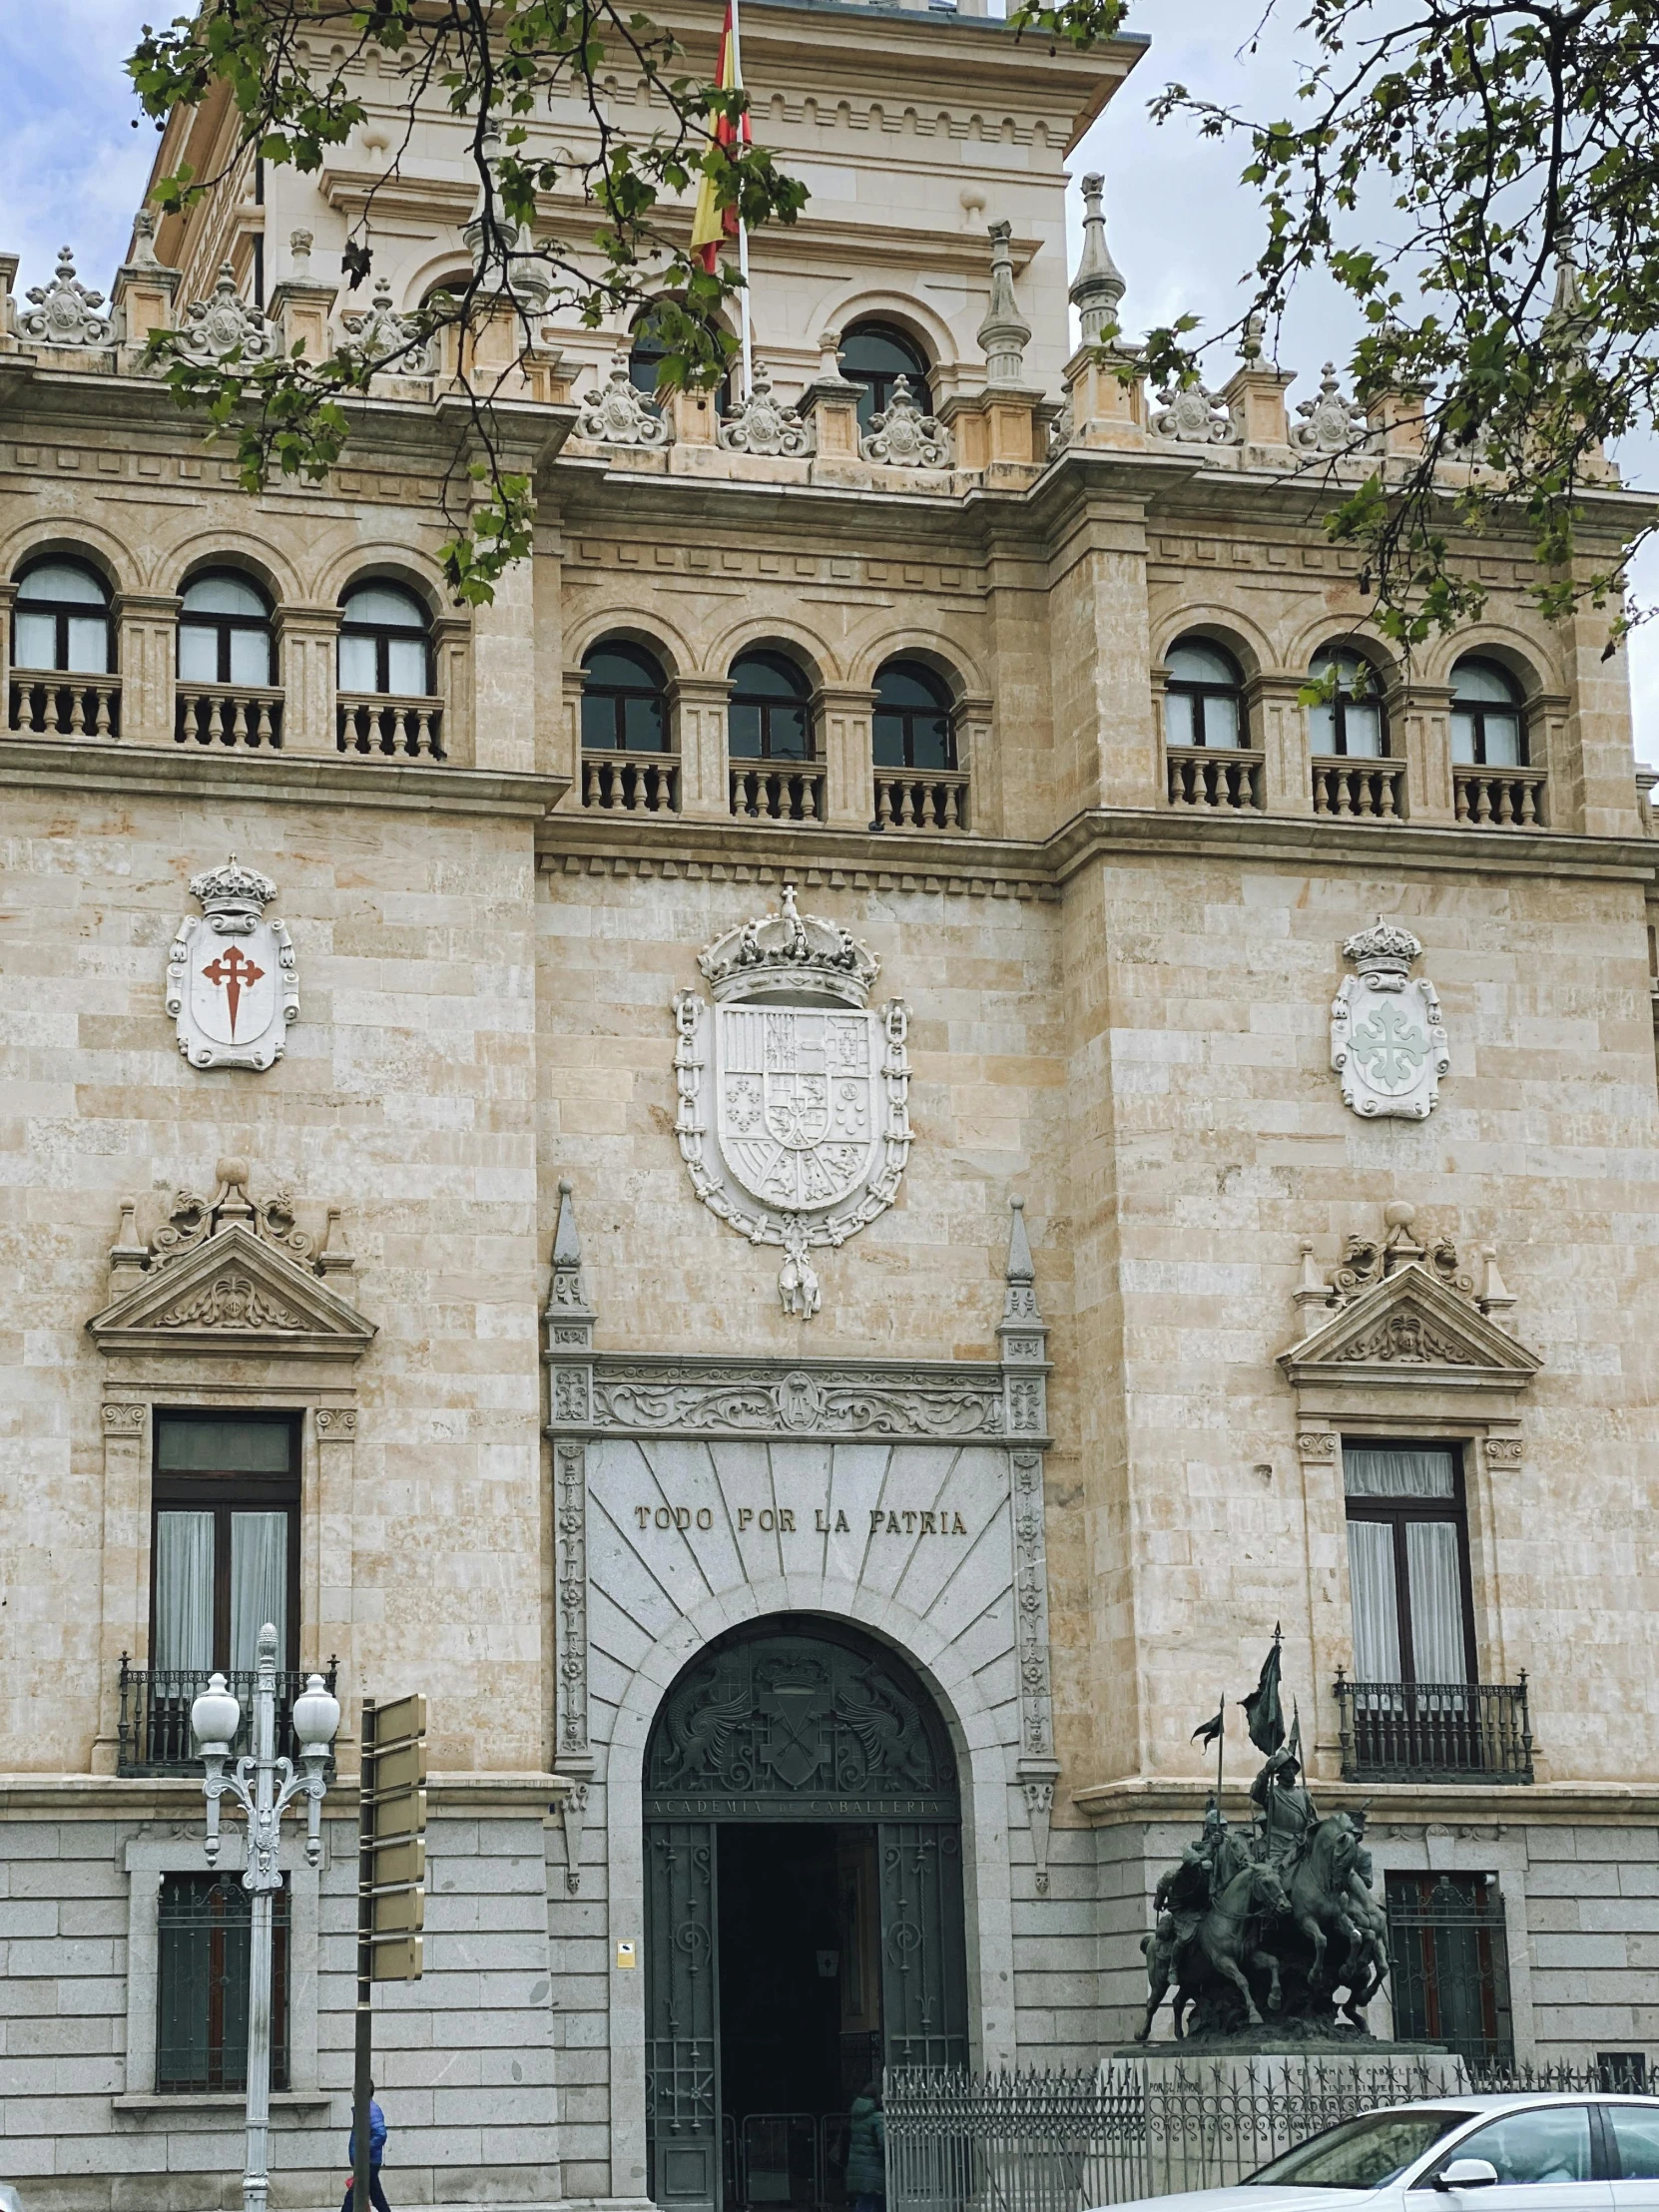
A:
(804, 1910)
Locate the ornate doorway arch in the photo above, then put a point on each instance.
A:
(794, 1720)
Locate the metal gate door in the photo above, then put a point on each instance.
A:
(923, 1969)
(682, 2013)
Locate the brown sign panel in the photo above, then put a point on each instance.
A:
(398, 1959)
(399, 1812)
(402, 1769)
(405, 1716)
(403, 1861)
(399, 1911)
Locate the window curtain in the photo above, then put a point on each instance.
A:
(185, 1591)
(1440, 1651)
(1370, 1573)
(259, 1584)
(1368, 1472)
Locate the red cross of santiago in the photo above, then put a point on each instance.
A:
(237, 973)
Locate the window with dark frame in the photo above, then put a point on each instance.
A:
(61, 620)
(225, 1545)
(876, 355)
(1450, 1945)
(646, 350)
(204, 1933)
(225, 631)
(624, 698)
(767, 716)
(1489, 728)
(1408, 1565)
(384, 647)
(1351, 724)
(1203, 697)
(913, 724)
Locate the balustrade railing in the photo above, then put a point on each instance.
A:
(153, 1732)
(411, 729)
(776, 793)
(50, 703)
(920, 799)
(1434, 1731)
(1201, 776)
(1502, 798)
(1360, 791)
(247, 716)
(630, 783)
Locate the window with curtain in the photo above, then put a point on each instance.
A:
(1487, 730)
(225, 631)
(624, 698)
(384, 649)
(62, 620)
(1351, 724)
(225, 1547)
(204, 1933)
(913, 724)
(766, 717)
(1408, 1565)
(1203, 697)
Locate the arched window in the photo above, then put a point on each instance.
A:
(1204, 698)
(647, 347)
(766, 717)
(384, 645)
(624, 701)
(913, 724)
(1350, 723)
(225, 631)
(876, 355)
(1487, 727)
(62, 620)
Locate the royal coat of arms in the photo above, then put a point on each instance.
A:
(231, 985)
(794, 1117)
(1388, 1041)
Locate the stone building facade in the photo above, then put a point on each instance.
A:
(777, 1228)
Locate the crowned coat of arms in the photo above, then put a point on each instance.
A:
(1388, 1041)
(231, 985)
(793, 1119)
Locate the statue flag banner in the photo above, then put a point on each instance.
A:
(1264, 1714)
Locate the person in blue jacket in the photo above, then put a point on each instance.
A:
(866, 2151)
(377, 2151)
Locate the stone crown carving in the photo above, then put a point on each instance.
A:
(1331, 423)
(63, 313)
(1193, 415)
(903, 436)
(378, 332)
(789, 948)
(223, 323)
(620, 414)
(763, 425)
(233, 889)
(1384, 949)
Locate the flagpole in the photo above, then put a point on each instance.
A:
(743, 230)
(1221, 1743)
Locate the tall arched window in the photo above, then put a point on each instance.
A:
(383, 642)
(624, 700)
(647, 347)
(62, 619)
(876, 355)
(1204, 698)
(767, 719)
(225, 631)
(1350, 723)
(1488, 725)
(913, 724)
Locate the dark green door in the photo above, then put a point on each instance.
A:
(682, 2006)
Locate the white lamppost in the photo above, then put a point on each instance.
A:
(264, 1785)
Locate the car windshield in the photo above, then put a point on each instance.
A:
(1361, 2154)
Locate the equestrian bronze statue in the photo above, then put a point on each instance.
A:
(1276, 1929)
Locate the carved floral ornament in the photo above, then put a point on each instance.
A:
(763, 425)
(903, 436)
(63, 313)
(223, 325)
(793, 1118)
(1387, 1040)
(229, 1274)
(619, 413)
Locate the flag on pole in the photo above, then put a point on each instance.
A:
(1264, 1714)
(1207, 1731)
(711, 223)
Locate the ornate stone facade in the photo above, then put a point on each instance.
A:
(1084, 1385)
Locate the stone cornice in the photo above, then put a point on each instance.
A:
(285, 778)
(582, 840)
(1182, 1798)
(172, 1797)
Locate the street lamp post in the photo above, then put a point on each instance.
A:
(263, 1786)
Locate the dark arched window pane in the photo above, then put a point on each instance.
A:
(384, 642)
(875, 354)
(646, 348)
(766, 717)
(1488, 728)
(225, 631)
(913, 723)
(624, 707)
(62, 620)
(1351, 723)
(1204, 698)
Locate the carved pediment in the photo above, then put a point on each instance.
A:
(1412, 1327)
(234, 1295)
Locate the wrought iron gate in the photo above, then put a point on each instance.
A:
(1451, 1964)
(791, 1720)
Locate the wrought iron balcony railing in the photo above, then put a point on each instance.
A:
(153, 1733)
(1434, 1731)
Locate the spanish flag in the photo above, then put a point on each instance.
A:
(712, 223)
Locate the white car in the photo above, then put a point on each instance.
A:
(1513, 2153)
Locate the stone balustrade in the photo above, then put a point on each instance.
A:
(1502, 798)
(243, 716)
(778, 791)
(50, 702)
(630, 783)
(921, 798)
(1358, 791)
(407, 729)
(1210, 776)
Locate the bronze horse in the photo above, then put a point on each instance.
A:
(1219, 1949)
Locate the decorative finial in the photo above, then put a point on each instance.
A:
(1005, 333)
(1098, 285)
(300, 248)
(569, 1316)
(1252, 336)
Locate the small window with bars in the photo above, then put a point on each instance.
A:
(204, 1946)
(1449, 1947)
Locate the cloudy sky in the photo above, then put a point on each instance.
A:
(72, 169)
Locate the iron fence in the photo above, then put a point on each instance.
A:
(153, 1730)
(1063, 2142)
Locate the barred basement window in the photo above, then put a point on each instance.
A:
(1451, 1964)
(205, 1933)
